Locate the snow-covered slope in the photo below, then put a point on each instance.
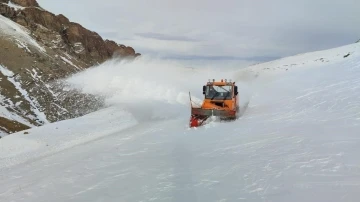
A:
(29, 60)
(37, 48)
(34, 106)
(22, 36)
(297, 141)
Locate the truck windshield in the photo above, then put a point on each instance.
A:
(218, 92)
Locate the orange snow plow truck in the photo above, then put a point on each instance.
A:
(220, 100)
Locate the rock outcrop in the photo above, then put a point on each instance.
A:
(35, 55)
(86, 44)
(11, 126)
(7, 11)
(26, 3)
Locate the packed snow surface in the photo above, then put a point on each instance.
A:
(298, 140)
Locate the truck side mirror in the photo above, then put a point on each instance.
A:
(236, 90)
(204, 89)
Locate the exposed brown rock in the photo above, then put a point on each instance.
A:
(26, 3)
(63, 20)
(129, 51)
(111, 46)
(94, 48)
(7, 11)
(124, 51)
(44, 18)
(11, 126)
(115, 49)
(70, 48)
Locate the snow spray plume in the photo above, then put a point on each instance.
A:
(146, 85)
(74, 102)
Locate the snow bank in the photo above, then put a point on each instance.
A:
(259, 76)
(42, 141)
(302, 61)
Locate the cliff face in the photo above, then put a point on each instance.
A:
(37, 48)
(87, 45)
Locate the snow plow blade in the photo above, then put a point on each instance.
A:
(199, 116)
(213, 112)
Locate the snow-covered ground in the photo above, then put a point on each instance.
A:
(2, 134)
(299, 139)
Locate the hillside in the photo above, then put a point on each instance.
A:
(37, 48)
(298, 140)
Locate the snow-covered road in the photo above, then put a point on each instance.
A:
(299, 140)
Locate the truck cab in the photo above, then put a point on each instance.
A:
(220, 95)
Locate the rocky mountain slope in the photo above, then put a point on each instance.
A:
(37, 49)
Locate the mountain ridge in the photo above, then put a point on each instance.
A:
(37, 50)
